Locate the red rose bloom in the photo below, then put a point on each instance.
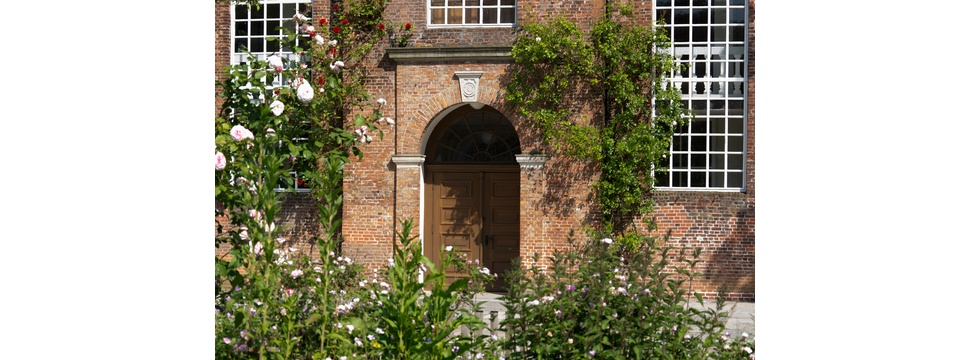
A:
(336, 29)
(407, 26)
(344, 22)
(320, 81)
(336, 6)
(313, 33)
(380, 27)
(323, 21)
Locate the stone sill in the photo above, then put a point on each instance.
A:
(414, 54)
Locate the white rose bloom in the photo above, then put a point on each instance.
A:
(319, 39)
(275, 62)
(332, 43)
(276, 107)
(448, 248)
(304, 92)
(607, 241)
(220, 161)
(381, 102)
(310, 28)
(300, 17)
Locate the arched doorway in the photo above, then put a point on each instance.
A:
(472, 189)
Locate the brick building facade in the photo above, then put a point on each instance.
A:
(452, 74)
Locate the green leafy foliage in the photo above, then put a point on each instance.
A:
(604, 299)
(561, 72)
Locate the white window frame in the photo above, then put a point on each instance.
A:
(481, 7)
(699, 90)
(239, 57)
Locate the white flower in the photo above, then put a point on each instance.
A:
(388, 120)
(384, 285)
(336, 65)
(350, 328)
(310, 28)
(304, 92)
(332, 43)
(280, 240)
(320, 40)
(533, 302)
(747, 350)
(744, 335)
(300, 17)
(220, 161)
(358, 342)
(275, 62)
(448, 248)
(296, 273)
(371, 337)
(484, 270)
(607, 241)
(276, 107)
(379, 331)
(240, 133)
(381, 102)
(538, 39)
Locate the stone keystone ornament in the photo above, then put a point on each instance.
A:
(468, 85)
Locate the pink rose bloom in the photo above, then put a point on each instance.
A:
(220, 161)
(304, 92)
(240, 133)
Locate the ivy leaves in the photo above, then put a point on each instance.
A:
(600, 95)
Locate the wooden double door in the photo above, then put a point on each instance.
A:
(475, 210)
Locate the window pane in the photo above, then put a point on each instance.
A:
(272, 27)
(680, 161)
(735, 143)
(734, 179)
(454, 16)
(736, 107)
(680, 143)
(471, 2)
(734, 161)
(437, 2)
(699, 107)
(437, 16)
(471, 16)
(242, 12)
(508, 16)
(717, 161)
(679, 179)
(256, 13)
(700, 34)
(681, 17)
(698, 179)
(508, 2)
(256, 45)
(664, 15)
(663, 179)
(698, 143)
(490, 2)
(256, 28)
(719, 16)
(700, 2)
(489, 16)
(698, 126)
(699, 16)
(272, 11)
(454, 3)
(698, 161)
(241, 28)
(681, 34)
(737, 16)
(717, 179)
(663, 2)
(717, 143)
(737, 33)
(240, 45)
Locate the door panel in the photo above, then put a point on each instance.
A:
(457, 216)
(477, 213)
(501, 224)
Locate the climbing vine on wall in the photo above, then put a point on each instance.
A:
(617, 68)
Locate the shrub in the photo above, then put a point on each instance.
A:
(606, 299)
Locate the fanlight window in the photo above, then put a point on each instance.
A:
(478, 137)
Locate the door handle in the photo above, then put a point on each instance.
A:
(487, 238)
